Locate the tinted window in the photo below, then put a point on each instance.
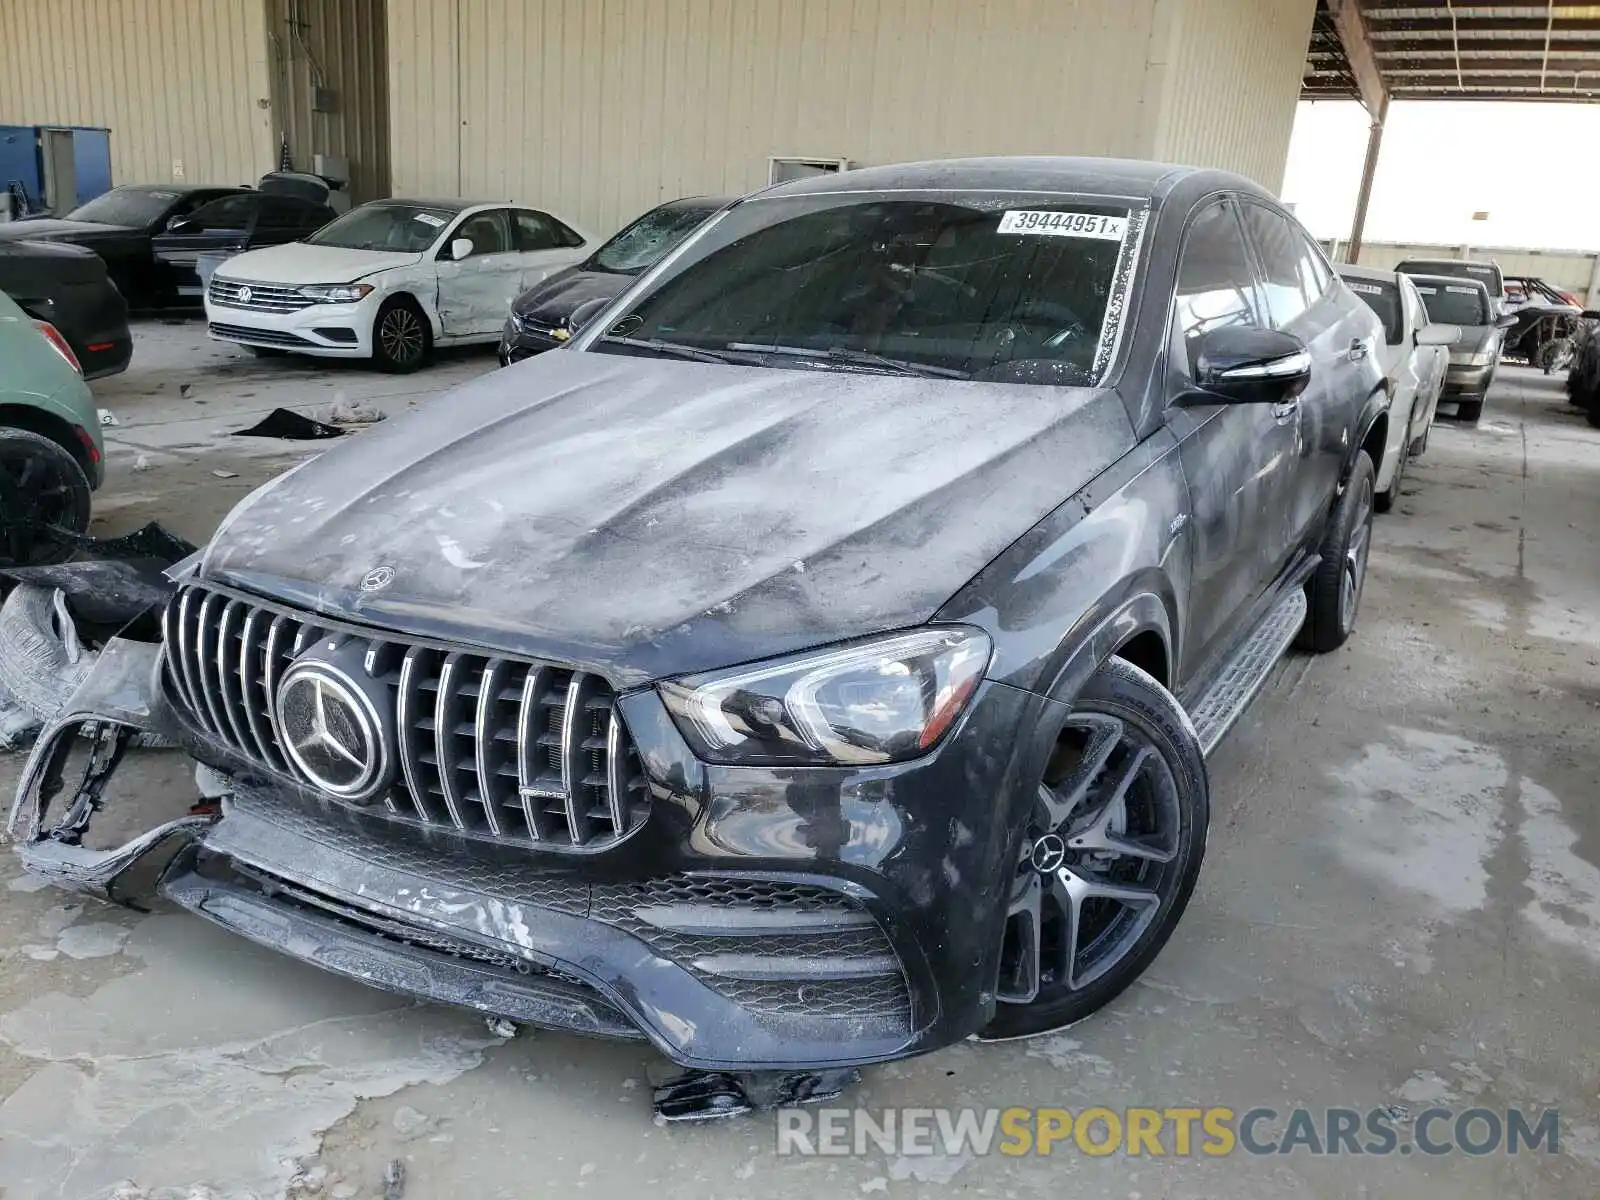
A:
(1455, 304)
(232, 212)
(1216, 283)
(1286, 276)
(965, 283)
(1383, 299)
(541, 231)
(1485, 273)
(409, 228)
(286, 213)
(643, 243)
(488, 232)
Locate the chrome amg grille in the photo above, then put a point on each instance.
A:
(257, 297)
(494, 747)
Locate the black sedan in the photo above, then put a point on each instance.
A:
(541, 317)
(68, 287)
(811, 665)
(118, 226)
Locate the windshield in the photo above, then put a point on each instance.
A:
(1383, 299)
(956, 284)
(1485, 273)
(133, 207)
(643, 243)
(407, 228)
(1452, 304)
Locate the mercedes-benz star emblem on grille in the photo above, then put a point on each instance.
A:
(244, 295)
(377, 579)
(331, 730)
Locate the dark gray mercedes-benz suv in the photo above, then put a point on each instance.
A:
(811, 664)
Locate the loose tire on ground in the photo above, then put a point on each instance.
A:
(1157, 767)
(1334, 592)
(402, 340)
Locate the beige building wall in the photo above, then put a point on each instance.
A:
(337, 47)
(180, 83)
(599, 109)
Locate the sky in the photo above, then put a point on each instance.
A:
(1534, 168)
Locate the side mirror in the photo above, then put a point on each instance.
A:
(460, 248)
(586, 312)
(1506, 321)
(1250, 366)
(1438, 335)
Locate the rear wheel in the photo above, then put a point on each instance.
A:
(1334, 592)
(1469, 411)
(1109, 858)
(401, 339)
(43, 493)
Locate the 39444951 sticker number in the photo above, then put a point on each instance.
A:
(1056, 223)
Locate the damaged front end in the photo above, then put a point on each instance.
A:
(66, 781)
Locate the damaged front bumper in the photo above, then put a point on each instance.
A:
(773, 921)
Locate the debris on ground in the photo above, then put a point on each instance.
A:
(107, 417)
(409, 1124)
(344, 411)
(142, 463)
(221, 474)
(394, 1180)
(291, 426)
(500, 1027)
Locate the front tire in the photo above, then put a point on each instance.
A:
(1109, 858)
(42, 488)
(1469, 411)
(401, 338)
(1334, 592)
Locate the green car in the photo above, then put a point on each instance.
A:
(51, 456)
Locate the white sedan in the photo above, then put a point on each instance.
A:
(390, 280)
(1413, 358)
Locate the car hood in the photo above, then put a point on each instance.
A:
(54, 229)
(551, 303)
(648, 518)
(299, 263)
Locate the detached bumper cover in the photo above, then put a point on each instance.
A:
(760, 919)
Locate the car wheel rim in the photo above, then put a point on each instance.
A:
(1096, 865)
(401, 335)
(1355, 559)
(37, 497)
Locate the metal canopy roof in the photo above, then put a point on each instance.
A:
(1451, 50)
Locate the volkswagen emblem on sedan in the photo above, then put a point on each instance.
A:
(377, 579)
(244, 295)
(331, 730)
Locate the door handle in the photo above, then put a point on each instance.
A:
(1358, 349)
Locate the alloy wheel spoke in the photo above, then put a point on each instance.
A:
(1071, 891)
(1023, 922)
(1061, 801)
(1100, 835)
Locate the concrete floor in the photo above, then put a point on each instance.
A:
(1401, 907)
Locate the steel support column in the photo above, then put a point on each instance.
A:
(1369, 169)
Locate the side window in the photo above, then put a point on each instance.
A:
(488, 232)
(1315, 272)
(282, 213)
(541, 231)
(231, 212)
(1281, 250)
(1216, 283)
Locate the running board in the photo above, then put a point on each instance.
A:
(1241, 678)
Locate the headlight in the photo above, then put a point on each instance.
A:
(879, 701)
(336, 293)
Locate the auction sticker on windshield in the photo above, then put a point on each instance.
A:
(1063, 224)
(429, 219)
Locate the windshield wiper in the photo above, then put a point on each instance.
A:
(677, 349)
(863, 358)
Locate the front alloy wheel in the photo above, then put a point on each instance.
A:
(400, 338)
(1109, 857)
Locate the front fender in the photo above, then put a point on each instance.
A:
(1111, 563)
(1375, 406)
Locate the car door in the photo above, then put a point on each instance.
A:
(475, 291)
(1342, 334)
(545, 246)
(222, 227)
(1236, 457)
